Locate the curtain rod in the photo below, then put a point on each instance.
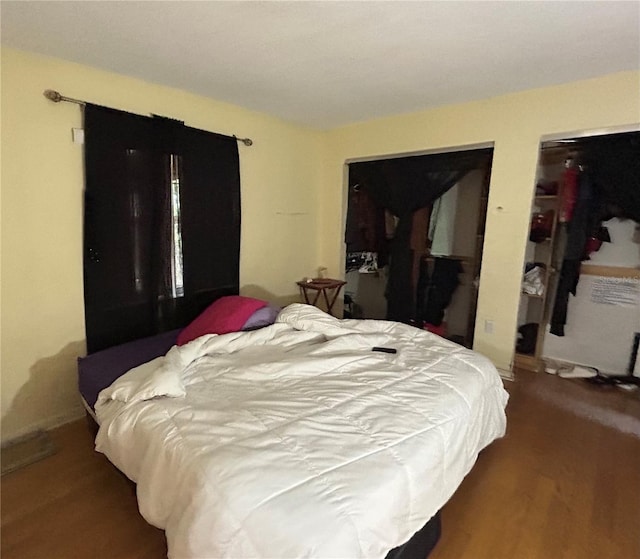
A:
(56, 97)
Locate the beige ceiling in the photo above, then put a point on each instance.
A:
(324, 64)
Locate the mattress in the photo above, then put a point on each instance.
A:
(99, 370)
(300, 440)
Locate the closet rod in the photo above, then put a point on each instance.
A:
(56, 97)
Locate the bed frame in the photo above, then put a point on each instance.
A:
(421, 543)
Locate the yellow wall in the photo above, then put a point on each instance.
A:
(42, 183)
(293, 202)
(515, 123)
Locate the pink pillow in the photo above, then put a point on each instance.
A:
(227, 314)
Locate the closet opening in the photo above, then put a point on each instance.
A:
(579, 313)
(414, 237)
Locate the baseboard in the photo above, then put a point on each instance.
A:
(26, 450)
(506, 374)
(45, 425)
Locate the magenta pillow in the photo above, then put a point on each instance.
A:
(227, 314)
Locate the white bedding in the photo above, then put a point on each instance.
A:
(297, 440)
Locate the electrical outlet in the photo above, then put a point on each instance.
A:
(488, 326)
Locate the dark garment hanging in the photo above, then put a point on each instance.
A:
(584, 218)
(567, 284)
(365, 229)
(436, 288)
(400, 290)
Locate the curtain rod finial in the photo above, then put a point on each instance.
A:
(52, 95)
(245, 141)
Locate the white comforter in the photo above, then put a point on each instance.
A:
(297, 440)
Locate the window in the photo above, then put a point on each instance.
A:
(177, 267)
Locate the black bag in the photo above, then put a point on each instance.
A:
(527, 335)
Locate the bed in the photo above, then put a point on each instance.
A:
(310, 437)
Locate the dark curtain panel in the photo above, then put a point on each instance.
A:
(403, 186)
(614, 163)
(210, 218)
(159, 198)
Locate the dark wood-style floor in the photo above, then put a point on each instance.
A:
(563, 484)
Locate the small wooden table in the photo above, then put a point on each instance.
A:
(329, 288)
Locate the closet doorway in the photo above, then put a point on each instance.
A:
(579, 312)
(414, 238)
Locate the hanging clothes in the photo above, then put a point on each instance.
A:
(419, 243)
(436, 288)
(568, 192)
(584, 218)
(442, 225)
(610, 187)
(567, 284)
(360, 233)
(404, 185)
(365, 229)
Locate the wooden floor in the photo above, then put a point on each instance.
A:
(563, 483)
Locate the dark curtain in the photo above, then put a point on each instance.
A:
(403, 186)
(130, 285)
(210, 218)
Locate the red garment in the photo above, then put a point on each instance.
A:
(440, 330)
(569, 194)
(593, 245)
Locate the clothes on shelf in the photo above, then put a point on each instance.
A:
(533, 281)
(526, 340)
(541, 226)
(363, 262)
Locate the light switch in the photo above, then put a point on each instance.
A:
(77, 135)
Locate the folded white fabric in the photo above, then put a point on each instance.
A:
(552, 368)
(149, 380)
(579, 372)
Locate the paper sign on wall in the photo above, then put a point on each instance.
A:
(622, 292)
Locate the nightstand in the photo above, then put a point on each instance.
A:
(328, 288)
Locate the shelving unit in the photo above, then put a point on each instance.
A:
(537, 308)
(586, 329)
